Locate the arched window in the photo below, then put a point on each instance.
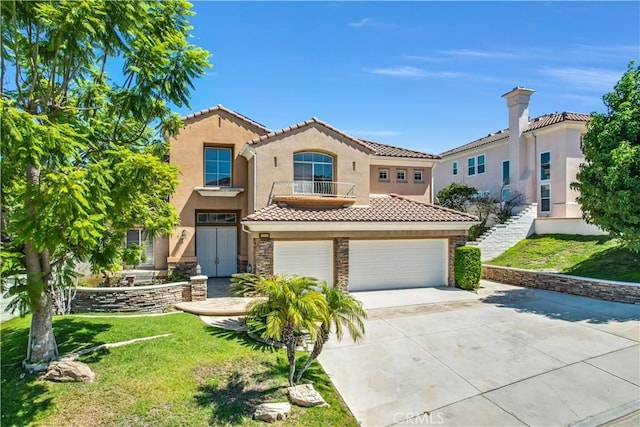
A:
(311, 171)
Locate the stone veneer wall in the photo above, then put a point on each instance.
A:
(186, 269)
(600, 289)
(454, 242)
(341, 262)
(263, 256)
(139, 298)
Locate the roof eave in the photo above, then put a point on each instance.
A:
(273, 226)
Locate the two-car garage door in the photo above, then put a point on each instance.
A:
(373, 264)
(397, 264)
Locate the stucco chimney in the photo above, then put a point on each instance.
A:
(518, 104)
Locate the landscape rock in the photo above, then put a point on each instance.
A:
(271, 412)
(305, 395)
(69, 371)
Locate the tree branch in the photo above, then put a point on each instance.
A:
(74, 355)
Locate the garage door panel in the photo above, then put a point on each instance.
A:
(389, 264)
(304, 258)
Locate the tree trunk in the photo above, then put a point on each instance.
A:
(289, 340)
(42, 342)
(321, 339)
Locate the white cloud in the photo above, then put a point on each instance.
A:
(595, 79)
(361, 23)
(424, 58)
(410, 71)
(373, 24)
(479, 53)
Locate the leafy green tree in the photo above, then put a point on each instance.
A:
(609, 179)
(292, 307)
(83, 152)
(456, 196)
(344, 312)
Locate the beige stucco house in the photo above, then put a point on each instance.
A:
(536, 157)
(307, 200)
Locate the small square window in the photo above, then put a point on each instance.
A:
(418, 175)
(383, 175)
(401, 175)
(454, 167)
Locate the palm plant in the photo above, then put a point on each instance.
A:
(344, 312)
(292, 306)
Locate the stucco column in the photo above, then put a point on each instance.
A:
(341, 263)
(454, 242)
(263, 256)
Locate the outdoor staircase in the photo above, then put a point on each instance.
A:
(501, 237)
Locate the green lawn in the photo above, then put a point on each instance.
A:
(198, 376)
(599, 257)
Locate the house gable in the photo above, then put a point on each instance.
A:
(275, 162)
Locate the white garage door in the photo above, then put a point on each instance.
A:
(311, 258)
(397, 264)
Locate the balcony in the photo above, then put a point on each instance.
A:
(313, 194)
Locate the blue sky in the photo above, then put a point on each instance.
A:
(422, 75)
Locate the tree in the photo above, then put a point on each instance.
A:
(609, 179)
(82, 152)
(292, 307)
(344, 311)
(456, 196)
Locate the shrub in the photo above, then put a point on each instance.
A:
(467, 267)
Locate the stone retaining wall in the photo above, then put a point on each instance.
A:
(139, 298)
(594, 288)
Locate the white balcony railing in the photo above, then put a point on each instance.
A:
(315, 189)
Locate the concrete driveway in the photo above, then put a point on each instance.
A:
(508, 356)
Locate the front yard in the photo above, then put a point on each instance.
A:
(599, 257)
(198, 376)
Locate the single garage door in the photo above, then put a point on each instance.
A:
(311, 258)
(397, 263)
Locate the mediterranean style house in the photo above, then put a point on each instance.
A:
(307, 200)
(538, 158)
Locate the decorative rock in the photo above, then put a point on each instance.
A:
(69, 371)
(271, 412)
(305, 395)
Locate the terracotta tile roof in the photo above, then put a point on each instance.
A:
(220, 107)
(551, 119)
(306, 123)
(392, 208)
(534, 124)
(392, 151)
(373, 147)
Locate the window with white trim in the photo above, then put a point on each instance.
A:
(481, 163)
(505, 172)
(401, 175)
(383, 175)
(140, 238)
(545, 198)
(471, 166)
(418, 175)
(454, 168)
(545, 166)
(217, 166)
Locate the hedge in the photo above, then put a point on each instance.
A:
(467, 267)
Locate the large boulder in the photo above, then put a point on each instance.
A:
(271, 412)
(69, 371)
(305, 395)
